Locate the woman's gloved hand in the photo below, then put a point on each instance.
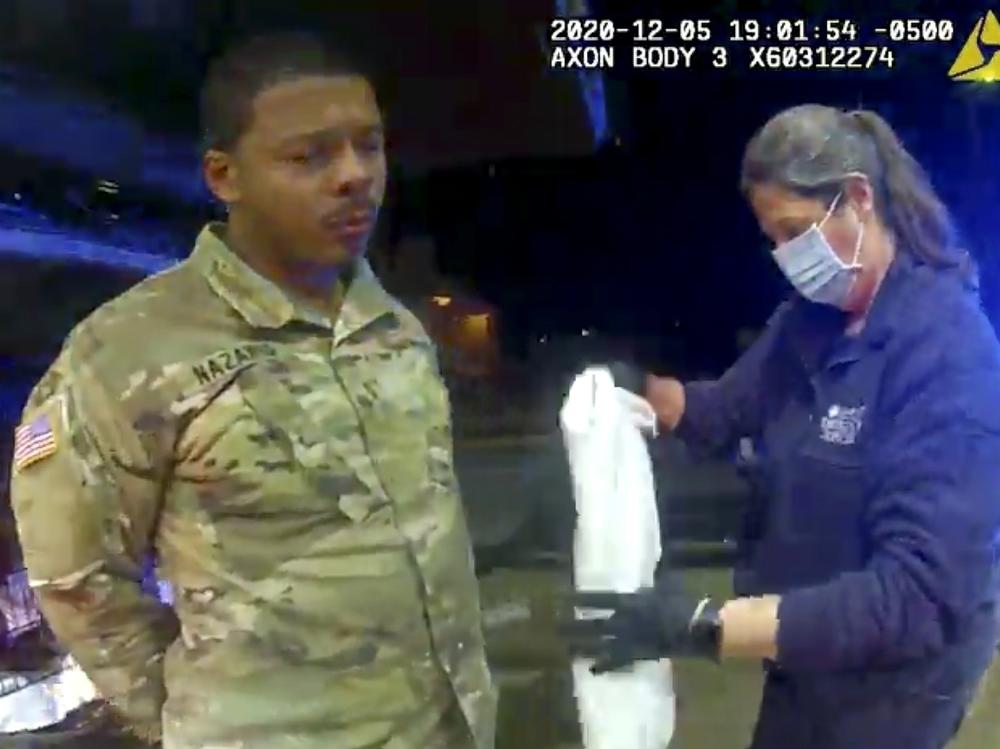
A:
(629, 376)
(650, 624)
(664, 394)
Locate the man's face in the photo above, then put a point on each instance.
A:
(308, 174)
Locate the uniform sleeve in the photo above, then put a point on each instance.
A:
(86, 506)
(717, 413)
(932, 523)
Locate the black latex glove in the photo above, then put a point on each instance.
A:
(628, 376)
(650, 624)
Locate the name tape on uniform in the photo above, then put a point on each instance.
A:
(222, 363)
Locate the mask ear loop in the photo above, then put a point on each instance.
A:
(857, 247)
(831, 209)
(861, 226)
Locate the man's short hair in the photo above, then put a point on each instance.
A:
(245, 70)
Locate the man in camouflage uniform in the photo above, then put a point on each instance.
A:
(273, 423)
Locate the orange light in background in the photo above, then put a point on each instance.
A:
(477, 326)
(441, 301)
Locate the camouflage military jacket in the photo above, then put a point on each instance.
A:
(294, 475)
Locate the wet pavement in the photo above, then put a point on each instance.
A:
(519, 501)
(521, 516)
(520, 508)
(715, 704)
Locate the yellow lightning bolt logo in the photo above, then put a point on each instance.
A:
(979, 58)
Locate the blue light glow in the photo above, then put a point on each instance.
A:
(45, 246)
(591, 82)
(39, 119)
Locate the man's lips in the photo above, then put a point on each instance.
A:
(351, 224)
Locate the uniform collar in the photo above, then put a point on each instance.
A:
(263, 304)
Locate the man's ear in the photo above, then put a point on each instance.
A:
(221, 175)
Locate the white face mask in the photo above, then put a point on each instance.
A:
(813, 267)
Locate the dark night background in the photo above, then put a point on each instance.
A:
(636, 234)
(644, 235)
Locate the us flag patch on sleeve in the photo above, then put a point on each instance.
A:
(33, 442)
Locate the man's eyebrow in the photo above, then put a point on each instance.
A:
(330, 133)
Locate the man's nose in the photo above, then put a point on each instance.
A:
(350, 173)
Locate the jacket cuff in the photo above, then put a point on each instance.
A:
(809, 636)
(695, 423)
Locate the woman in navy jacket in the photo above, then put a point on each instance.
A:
(874, 395)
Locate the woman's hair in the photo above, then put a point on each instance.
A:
(811, 149)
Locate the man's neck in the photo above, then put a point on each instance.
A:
(321, 287)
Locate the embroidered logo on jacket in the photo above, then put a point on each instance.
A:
(841, 425)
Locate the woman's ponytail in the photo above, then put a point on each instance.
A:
(912, 209)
